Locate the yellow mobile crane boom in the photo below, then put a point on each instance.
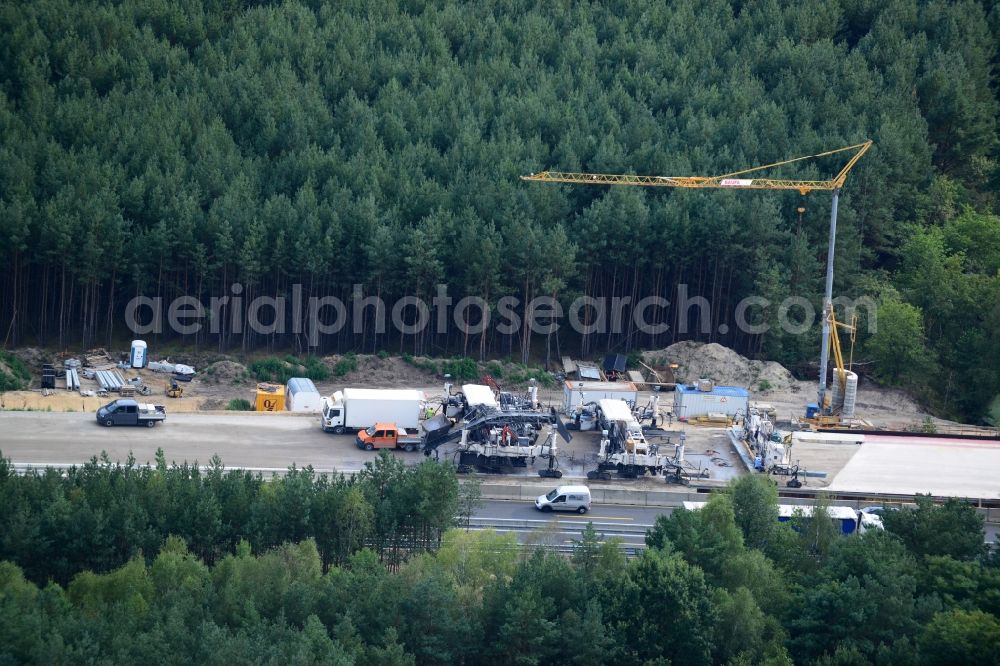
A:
(739, 180)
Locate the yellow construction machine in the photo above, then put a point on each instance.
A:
(174, 390)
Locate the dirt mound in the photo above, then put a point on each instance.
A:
(224, 372)
(872, 397)
(713, 361)
(32, 356)
(213, 404)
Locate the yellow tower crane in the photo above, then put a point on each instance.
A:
(742, 180)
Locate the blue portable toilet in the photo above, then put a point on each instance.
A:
(137, 358)
(812, 410)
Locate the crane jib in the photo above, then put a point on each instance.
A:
(726, 180)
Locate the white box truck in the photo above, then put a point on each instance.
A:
(355, 409)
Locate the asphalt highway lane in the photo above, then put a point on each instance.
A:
(259, 441)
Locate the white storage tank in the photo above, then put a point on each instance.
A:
(301, 396)
(845, 403)
(138, 357)
(690, 402)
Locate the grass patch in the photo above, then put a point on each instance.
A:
(240, 405)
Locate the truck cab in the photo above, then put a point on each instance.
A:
(333, 414)
(387, 436)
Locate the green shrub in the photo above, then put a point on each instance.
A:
(545, 379)
(495, 370)
(9, 382)
(279, 370)
(19, 375)
(271, 370)
(239, 405)
(461, 369)
(523, 374)
(347, 363)
(764, 385)
(317, 370)
(383, 354)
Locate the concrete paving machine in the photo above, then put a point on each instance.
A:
(625, 448)
(495, 435)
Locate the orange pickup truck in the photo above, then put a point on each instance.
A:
(387, 436)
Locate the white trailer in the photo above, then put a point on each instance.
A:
(356, 409)
(301, 396)
(580, 393)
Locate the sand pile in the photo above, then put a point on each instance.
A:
(726, 367)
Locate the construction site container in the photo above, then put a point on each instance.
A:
(138, 356)
(301, 396)
(270, 398)
(689, 402)
(580, 393)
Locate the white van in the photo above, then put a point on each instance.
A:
(565, 498)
